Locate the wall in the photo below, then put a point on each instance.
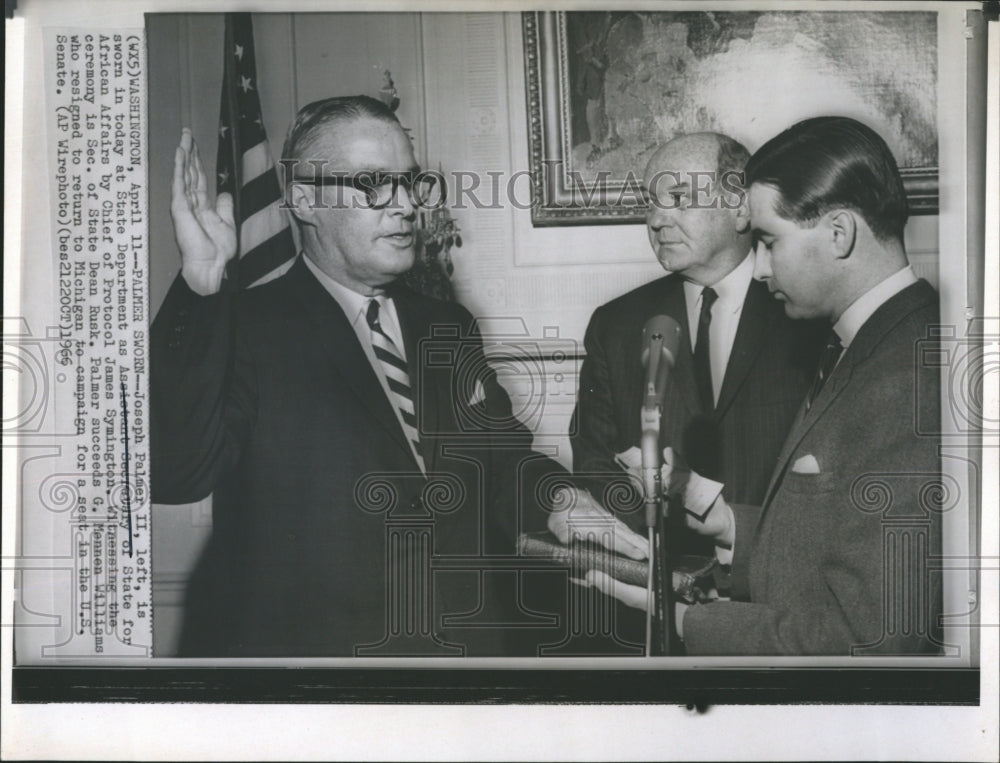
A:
(461, 83)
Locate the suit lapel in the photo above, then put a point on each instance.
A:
(755, 321)
(875, 329)
(336, 336)
(806, 419)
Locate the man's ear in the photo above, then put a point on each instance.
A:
(743, 215)
(843, 229)
(301, 199)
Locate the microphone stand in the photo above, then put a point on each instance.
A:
(659, 588)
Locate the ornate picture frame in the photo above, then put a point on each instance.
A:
(586, 70)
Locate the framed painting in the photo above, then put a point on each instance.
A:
(605, 88)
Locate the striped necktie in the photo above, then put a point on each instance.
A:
(397, 378)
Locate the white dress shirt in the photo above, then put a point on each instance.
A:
(861, 309)
(355, 307)
(726, 312)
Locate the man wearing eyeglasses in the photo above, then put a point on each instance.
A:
(352, 426)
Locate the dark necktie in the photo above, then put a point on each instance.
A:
(398, 379)
(702, 358)
(827, 362)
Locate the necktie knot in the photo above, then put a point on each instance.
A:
(827, 362)
(831, 354)
(708, 297)
(372, 316)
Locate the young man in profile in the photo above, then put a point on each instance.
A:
(836, 559)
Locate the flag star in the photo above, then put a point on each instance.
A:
(259, 122)
(222, 131)
(239, 52)
(223, 177)
(245, 84)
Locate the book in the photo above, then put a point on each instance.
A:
(581, 556)
(692, 575)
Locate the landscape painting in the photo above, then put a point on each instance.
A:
(605, 88)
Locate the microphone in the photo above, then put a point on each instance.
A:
(661, 337)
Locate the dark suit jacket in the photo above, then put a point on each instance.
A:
(837, 562)
(770, 367)
(267, 397)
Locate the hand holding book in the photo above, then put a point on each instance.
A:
(604, 552)
(577, 514)
(692, 575)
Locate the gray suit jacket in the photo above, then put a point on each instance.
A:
(840, 561)
(769, 371)
(771, 365)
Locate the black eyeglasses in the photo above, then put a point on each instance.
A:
(426, 188)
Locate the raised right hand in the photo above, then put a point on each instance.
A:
(206, 236)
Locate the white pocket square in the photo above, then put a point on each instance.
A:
(806, 464)
(478, 394)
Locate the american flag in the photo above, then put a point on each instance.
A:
(244, 165)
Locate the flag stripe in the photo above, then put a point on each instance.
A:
(256, 161)
(258, 228)
(270, 275)
(259, 193)
(267, 256)
(245, 167)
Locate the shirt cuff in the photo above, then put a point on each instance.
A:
(725, 555)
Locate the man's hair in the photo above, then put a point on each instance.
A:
(829, 163)
(313, 118)
(733, 156)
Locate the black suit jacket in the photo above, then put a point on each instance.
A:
(267, 398)
(771, 365)
(840, 559)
